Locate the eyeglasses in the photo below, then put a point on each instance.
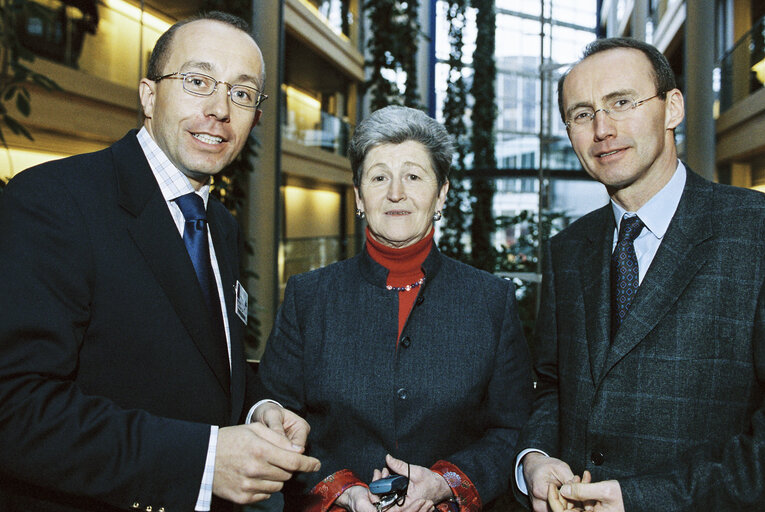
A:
(618, 109)
(204, 85)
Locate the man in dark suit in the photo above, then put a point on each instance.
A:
(650, 354)
(121, 360)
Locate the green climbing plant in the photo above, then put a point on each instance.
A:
(392, 49)
(483, 253)
(457, 207)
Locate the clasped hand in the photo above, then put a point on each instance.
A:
(253, 461)
(553, 486)
(583, 494)
(426, 488)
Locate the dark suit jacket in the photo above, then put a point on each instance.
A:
(108, 382)
(674, 409)
(457, 388)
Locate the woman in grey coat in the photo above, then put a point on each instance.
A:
(402, 360)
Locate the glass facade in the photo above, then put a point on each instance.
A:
(536, 41)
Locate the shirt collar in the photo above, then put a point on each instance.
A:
(172, 182)
(657, 213)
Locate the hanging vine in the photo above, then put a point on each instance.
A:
(483, 253)
(410, 30)
(392, 47)
(457, 206)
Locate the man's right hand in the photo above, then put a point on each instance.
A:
(540, 471)
(252, 462)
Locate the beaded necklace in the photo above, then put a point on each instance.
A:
(407, 287)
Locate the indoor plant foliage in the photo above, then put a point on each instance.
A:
(457, 207)
(15, 75)
(392, 46)
(483, 253)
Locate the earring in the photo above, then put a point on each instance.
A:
(359, 213)
(437, 215)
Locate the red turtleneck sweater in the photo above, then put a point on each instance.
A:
(404, 268)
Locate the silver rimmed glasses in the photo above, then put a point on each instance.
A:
(618, 109)
(199, 84)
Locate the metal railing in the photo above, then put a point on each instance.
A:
(742, 68)
(338, 16)
(309, 253)
(322, 130)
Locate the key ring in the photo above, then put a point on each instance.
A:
(395, 497)
(389, 500)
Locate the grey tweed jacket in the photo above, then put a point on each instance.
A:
(457, 388)
(673, 409)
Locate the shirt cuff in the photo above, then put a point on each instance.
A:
(326, 492)
(252, 409)
(520, 480)
(465, 495)
(205, 489)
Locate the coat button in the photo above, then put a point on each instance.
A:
(420, 299)
(405, 342)
(402, 393)
(597, 457)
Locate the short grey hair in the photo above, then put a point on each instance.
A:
(395, 125)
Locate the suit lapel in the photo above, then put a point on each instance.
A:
(154, 232)
(226, 249)
(596, 289)
(680, 256)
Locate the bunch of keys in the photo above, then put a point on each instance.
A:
(392, 491)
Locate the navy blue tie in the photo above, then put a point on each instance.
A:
(195, 237)
(624, 271)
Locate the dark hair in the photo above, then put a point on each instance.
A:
(395, 125)
(663, 76)
(161, 51)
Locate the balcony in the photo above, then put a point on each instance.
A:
(308, 124)
(309, 253)
(742, 68)
(337, 15)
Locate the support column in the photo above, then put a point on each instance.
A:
(639, 19)
(261, 225)
(612, 28)
(699, 96)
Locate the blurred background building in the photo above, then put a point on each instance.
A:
(299, 208)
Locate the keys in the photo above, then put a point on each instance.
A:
(388, 500)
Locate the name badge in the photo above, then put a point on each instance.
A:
(241, 302)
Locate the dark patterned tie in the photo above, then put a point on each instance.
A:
(624, 271)
(195, 237)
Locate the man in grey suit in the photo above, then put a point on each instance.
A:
(650, 352)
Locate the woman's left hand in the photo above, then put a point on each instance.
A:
(426, 488)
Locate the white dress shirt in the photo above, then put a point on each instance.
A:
(173, 184)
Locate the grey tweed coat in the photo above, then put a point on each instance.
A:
(457, 388)
(674, 409)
